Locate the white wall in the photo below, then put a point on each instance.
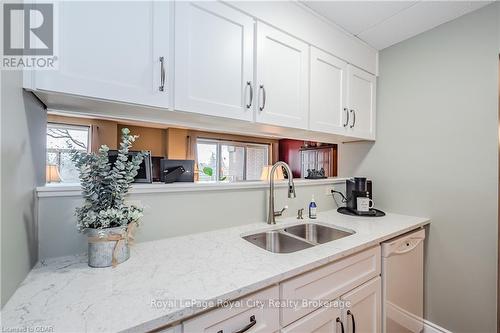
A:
(23, 123)
(174, 214)
(436, 155)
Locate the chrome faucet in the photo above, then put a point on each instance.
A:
(291, 191)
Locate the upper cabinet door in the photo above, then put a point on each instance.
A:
(361, 101)
(328, 99)
(111, 50)
(282, 78)
(214, 60)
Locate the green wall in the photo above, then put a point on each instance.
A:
(436, 155)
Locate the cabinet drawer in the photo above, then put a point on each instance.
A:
(228, 320)
(328, 282)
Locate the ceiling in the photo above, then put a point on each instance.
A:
(385, 23)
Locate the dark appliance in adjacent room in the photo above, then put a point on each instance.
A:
(144, 174)
(177, 171)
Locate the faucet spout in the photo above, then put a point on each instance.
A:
(291, 189)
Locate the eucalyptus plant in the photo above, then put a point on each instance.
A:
(104, 186)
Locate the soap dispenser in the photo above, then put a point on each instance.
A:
(312, 208)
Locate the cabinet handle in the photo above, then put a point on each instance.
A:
(341, 325)
(349, 313)
(249, 85)
(261, 108)
(346, 117)
(353, 118)
(162, 74)
(253, 321)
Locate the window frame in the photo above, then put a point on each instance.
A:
(57, 151)
(220, 142)
(72, 127)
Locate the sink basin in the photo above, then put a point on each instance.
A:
(277, 242)
(317, 233)
(296, 237)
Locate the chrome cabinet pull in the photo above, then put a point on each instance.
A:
(341, 324)
(261, 87)
(162, 74)
(353, 118)
(253, 321)
(249, 85)
(346, 117)
(349, 314)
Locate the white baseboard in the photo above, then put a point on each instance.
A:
(433, 328)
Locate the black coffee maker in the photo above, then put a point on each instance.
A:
(354, 188)
(357, 187)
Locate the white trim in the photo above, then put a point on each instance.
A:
(331, 23)
(404, 318)
(71, 190)
(434, 328)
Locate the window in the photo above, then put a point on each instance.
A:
(60, 140)
(230, 161)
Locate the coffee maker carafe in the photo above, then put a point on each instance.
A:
(357, 187)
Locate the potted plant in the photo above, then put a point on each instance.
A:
(108, 222)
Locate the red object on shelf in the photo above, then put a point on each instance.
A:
(289, 152)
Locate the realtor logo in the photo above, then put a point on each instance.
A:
(28, 36)
(37, 23)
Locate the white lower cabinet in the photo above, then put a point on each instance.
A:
(364, 312)
(324, 320)
(340, 297)
(328, 282)
(358, 311)
(247, 314)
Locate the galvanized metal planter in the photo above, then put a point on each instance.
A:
(107, 247)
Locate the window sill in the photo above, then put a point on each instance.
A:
(72, 190)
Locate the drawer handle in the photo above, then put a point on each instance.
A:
(341, 324)
(349, 313)
(253, 321)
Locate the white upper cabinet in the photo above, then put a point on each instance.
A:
(282, 78)
(214, 60)
(112, 51)
(361, 103)
(209, 59)
(328, 96)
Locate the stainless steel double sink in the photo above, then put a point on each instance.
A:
(296, 237)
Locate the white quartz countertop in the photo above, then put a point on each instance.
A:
(159, 283)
